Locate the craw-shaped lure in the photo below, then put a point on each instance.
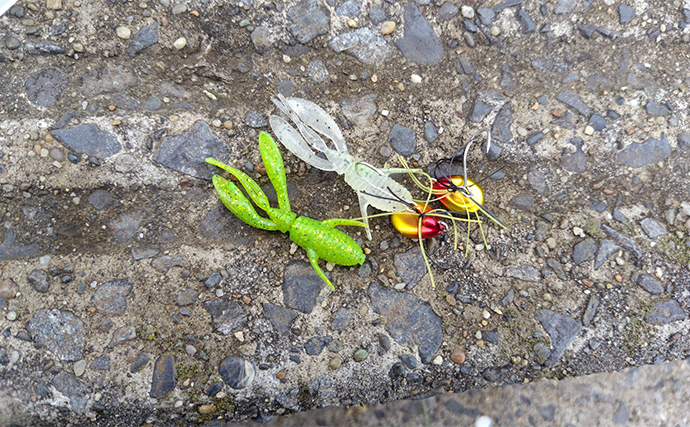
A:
(320, 239)
(374, 186)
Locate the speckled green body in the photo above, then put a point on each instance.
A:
(329, 243)
(319, 238)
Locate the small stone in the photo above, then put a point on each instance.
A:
(180, 43)
(652, 228)
(664, 313)
(180, 8)
(458, 356)
(335, 362)
(650, 284)
(237, 372)
(123, 32)
(58, 331)
(584, 251)
(39, 280)
(8, 289)
(111, 297)
(207, 409)
(186, 297)
(387, 27)
(657, 110)
(403, 140)
(360, 355)
(625, 13)
(467, 11)
(79, 367)
(163, 381)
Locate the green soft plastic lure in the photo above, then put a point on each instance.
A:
(320, 239)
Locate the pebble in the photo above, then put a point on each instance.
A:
(163, 381)
(79, 367)
(403, 140)
(207, 409)
(123, 32)
(415, 319)
(387, 27)
(180, 43)
(237, 372)
(467, 11)
(458, 356)
(335, 362)
(180, 8)
(416, 78)
(360, 355)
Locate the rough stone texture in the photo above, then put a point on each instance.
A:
(625, 14)
(550, 65)
(281, 318)
(59, 331)
(122, 335)
(255, 119)
(108, 79)
(664, 313)
(480, 111)
(562, 330)
(89, 139)
(9, 249)
(360, 110)
(650, 284)
(186, 152)
(111, 297)
(364, 45)
(42, 48)
(81, 247)
(574, 102)
(44, 87)
(652, 228)
(606, 249)
(125, 226)
(221, 225)
(591, 310)
(419, 42)
(144, 38)
(100, 200)
(410, 267)
(39, 280)
(523, 202)
(575, 162)
(403, 140)
(651, 151)
(8, 289)
(526, 272)
(309, 19)
(301, 287)
(500, 130)
(314, 346)
(164, 377)
(584, 251)
(237, 372)
(77, 392)
(341, 320)
(565, 7)
(409, 320)
(228, 316)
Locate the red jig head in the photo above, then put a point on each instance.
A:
(407, 223)
(458, 197)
